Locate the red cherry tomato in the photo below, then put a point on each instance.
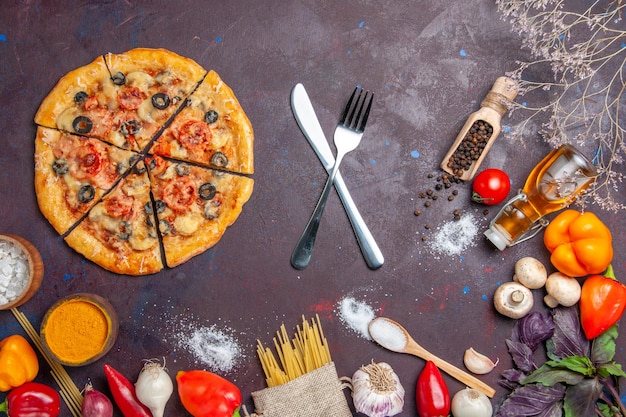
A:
(432, 395)
(491, 186)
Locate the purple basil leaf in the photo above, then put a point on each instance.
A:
(568, 338)
(533, 400)
(534, 329)
(580, 399)
(511, 378)
(521, 354)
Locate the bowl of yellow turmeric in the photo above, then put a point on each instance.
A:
(79, 329)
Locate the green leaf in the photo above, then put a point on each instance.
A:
(548, 376)
(603, 346)
(580, 399)
(580, 364)
(608, 369)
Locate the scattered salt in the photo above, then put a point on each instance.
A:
(211, 346)
(388, 335)
(357, 315)
(454, 237)
(13, 272)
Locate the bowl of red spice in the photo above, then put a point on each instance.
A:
(79, 329)
(21, 271)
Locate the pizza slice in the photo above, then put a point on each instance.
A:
(151, 84)
(119, 233)
(83, 102)
(211, 130)
(194, 206)
(72, 173)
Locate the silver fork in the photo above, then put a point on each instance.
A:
(347, 137)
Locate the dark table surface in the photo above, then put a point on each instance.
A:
(430, 64)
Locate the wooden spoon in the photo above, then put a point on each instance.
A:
(394, 337)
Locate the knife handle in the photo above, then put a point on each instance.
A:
(371, 252)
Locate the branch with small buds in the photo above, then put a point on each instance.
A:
(585, 51)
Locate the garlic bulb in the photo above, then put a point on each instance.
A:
(477, 362)
(376, 390)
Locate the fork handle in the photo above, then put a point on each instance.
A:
(301, 255)
(371, 252)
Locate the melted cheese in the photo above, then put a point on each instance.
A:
(65, 120)
(135, 186)
(141, 239)
(146, 110)
(141, 80)
(99, 216)
(188, 224)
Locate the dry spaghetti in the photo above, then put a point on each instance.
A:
(307, 351)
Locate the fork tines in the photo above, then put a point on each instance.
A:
(363, 100)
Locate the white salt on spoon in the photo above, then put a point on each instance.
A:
(394, 337)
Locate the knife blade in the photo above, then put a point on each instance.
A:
(309, 124)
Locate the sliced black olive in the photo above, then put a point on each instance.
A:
(118, 78)
(82, 124)
(160, 206)
(164, 227)
(148, 208)
(80, 97)
(86, 193)
(130, 127)
(211, 116)
(60, 166)
(182, 169)
(207, 191)
(219, 159)
(149, 222)
(126, 229)
(160, 101)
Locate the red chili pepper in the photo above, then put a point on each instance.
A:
(602, 303)
(432, 395)
(32, 399)
(123, 392)
(205, 394)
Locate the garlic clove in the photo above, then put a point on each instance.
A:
(477, 362)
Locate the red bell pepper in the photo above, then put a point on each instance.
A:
(602, 303)
(32, 399)
(123, 392)
(205, 394)
(432, 395)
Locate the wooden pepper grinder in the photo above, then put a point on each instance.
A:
(479, 132)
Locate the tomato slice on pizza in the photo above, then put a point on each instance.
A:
(119, 233)
(151, 85)
(212, 130)
(72, 173)
(194, 206)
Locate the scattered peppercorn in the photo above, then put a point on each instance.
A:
(417, 212)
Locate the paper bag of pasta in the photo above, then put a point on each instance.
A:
(305, 383)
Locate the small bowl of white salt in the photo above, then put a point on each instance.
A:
(21, 271)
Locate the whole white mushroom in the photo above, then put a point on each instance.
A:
(562, 289)
(530, 272)
(513, 300)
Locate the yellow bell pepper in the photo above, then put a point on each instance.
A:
(18, 362)
(579, 242)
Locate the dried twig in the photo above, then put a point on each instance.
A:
(586, 53)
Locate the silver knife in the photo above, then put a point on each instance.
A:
(310, 126)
